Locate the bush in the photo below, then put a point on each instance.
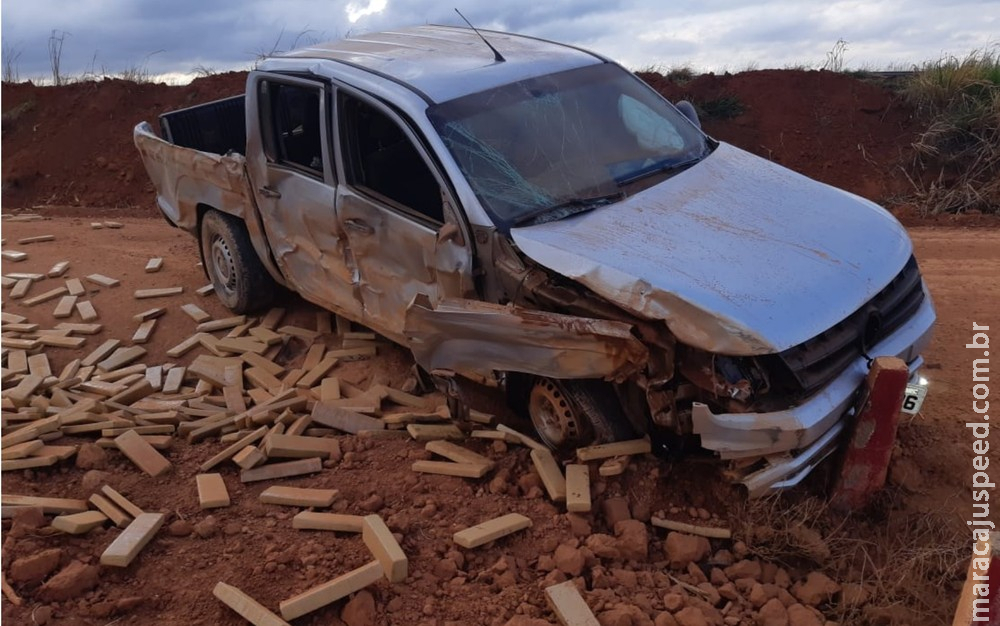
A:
(959, 153)
(680, 75)
(724, 108)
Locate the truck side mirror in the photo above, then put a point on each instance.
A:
(687, 110)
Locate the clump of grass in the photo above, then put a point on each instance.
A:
(680, 75)
(203, 71)
(11, 116)
(908, 561)
(724, 108)
(794, 534)
(961, 100)
(138, 72)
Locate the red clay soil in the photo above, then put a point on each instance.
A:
(829, 126)
(254, 547)
(72, 145)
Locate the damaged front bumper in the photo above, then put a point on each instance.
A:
(794, 441)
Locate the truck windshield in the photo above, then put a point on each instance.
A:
(548, 147)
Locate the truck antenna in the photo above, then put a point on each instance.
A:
(496, 53)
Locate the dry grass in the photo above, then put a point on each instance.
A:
(958, 156)
(680, 75)
(909, 562)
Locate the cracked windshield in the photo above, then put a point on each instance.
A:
(542, 149)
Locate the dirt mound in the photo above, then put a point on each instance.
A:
(829, 126)
(72, 145)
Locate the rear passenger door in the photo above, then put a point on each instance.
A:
(400, 217)
(294, 175)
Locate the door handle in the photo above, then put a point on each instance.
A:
(359, 226)
(267, 192)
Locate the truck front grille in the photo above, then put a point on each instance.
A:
(815, 362)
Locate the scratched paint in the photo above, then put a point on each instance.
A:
(184, 177)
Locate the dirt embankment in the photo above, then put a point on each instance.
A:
(72, 145)
(846, 132)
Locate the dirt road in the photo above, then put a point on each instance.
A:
(254, 547)
(962, 269)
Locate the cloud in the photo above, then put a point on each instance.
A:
(355, 11)
(709, 35)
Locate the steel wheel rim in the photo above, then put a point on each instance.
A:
(223, 265)
(552, 414)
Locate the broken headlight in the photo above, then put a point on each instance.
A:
(734, 378)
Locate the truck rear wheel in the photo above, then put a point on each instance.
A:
(574, 413)
(239, 278)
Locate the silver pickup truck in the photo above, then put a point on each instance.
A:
(531, 216)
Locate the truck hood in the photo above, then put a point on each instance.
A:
(737, 254)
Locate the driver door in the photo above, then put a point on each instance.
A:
(399, 216)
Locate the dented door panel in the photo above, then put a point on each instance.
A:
(308, 243)
(397, 259)
(298, 208)
(385, 208)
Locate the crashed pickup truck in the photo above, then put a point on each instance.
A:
(533, 217)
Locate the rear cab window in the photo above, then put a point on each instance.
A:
(290, 126)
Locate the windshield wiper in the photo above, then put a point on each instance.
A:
(567, 208)
(667, 165)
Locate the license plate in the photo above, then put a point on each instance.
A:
(913, 399)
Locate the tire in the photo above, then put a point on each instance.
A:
(239, 278)
(575, 413)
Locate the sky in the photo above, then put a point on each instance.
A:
(174, 40)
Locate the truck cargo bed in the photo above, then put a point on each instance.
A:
(218, 126)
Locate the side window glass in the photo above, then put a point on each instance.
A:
(380, 157)
(293, 118)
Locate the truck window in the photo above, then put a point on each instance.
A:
(378, 156)
(560, 139)
(293, 136)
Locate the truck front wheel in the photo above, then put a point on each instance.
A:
(574, 413)
(239, 278)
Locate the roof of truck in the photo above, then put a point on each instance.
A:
(446, 62)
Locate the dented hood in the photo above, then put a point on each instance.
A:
(737, 255)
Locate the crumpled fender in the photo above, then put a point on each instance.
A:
(477, 338)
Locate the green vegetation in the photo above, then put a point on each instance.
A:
(724, 108)
(959, 154)
(680, 75)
